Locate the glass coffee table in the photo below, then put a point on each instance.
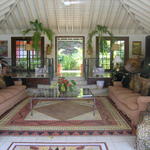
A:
(41, 94)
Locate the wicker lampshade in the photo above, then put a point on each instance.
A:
(115, 47)
(28, 47)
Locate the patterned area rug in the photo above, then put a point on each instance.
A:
(58, 146)
(73, 117)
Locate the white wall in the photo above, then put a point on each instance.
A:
(131, 39)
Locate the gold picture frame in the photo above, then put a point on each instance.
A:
(136, 47)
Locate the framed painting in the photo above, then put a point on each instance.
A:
(4, 48)
(136, 47)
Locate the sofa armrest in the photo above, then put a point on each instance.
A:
(18, 83)
(117, 83)
(143, 102)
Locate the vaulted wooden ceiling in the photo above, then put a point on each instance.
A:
(121, 16)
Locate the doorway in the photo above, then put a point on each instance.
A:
(69, 55)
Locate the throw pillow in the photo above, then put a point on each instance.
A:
(8, 80)
(137, 84)
(2, 83)
(131, 84)
(126, 80)
(145, 89)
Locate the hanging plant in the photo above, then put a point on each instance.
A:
(100, 31)
(38, 29)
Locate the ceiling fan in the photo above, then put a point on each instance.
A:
(68, 2)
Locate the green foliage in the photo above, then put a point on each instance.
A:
(38, 29)
(70, 61)
(100, 30)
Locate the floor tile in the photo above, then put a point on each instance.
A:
(113, 142)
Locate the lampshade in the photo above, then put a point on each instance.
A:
(28, 47)
(115, 47)
(117, 59)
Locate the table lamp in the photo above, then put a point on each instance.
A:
(115, 47)
(117, 61)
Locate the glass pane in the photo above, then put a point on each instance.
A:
(21, 56)
(121, 50)
(69, 55)
(104, 54)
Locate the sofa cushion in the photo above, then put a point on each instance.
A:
(2, 83)
(5, 95)
(121, 90)
(9, 92)
(131, 104)
(20, 88)
(145, 89)
(137, 85)
(129, 99)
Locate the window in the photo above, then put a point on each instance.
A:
(105, 55)
(69, 54)
(22, 58)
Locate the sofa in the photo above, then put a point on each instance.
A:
(11, 95)
(129, 102)
(143, 131)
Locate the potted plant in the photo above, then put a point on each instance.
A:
(100, 31)
(38, 29)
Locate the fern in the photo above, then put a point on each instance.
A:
(38, 29)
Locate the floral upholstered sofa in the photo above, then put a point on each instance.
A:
(129, 102)
(11, 95)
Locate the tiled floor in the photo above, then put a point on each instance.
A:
(113, 142)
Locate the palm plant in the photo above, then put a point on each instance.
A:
(100, 30)
(38, 29)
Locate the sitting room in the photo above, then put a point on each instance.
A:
(74, 75)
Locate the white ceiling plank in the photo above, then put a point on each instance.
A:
(45, 5)
(8, 4)
(36, 9)
(4, 11)
(118, 15)
(124, 17)
(108, 16)
(131, 14)
(138, 8)
(90, 15)
(144, 3)
(23, 15)
(15, 21)
(3, 2)
(10, 11)
(28, 8)
(113, 16)
(114, 24)
(55, 12)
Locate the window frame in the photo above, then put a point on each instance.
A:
(13, 48)
(116, 38)
(56, 39)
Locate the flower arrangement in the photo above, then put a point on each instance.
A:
(65, 85)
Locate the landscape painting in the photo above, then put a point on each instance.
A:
(4, 48)
(136, 47)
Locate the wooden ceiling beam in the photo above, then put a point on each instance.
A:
(13, 6)
(126, 7)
